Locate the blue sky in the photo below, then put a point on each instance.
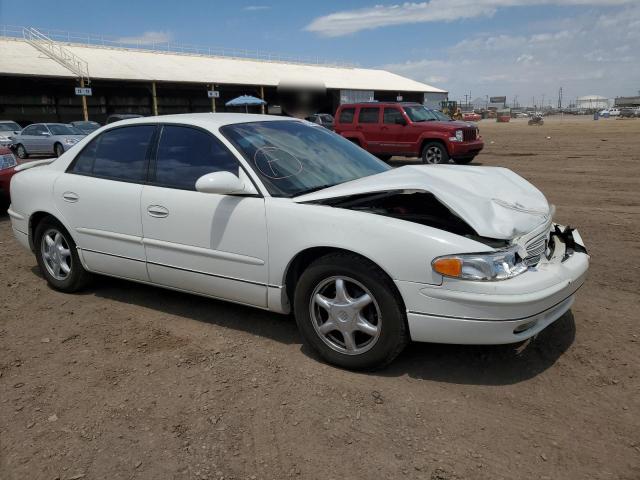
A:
(527, 48)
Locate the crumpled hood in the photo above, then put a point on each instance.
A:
(494, 201)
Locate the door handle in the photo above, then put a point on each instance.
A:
(157, 211)
(70, 197)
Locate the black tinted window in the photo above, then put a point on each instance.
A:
(346, 115)
(30, 130)
(391, 115)
(368, 115)
(185, 154)
(119, 154)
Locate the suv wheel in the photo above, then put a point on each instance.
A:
(347, 310)
(434, 153)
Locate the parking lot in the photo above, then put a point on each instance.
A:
(129, 381)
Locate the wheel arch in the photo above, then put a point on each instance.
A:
(306, 257)
(37, 217)
(424, 141)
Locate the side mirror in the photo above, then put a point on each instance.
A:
(224, 183)
(401, 121)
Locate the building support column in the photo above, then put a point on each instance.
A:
(262, 97)
(213, 100)
(154, 99)
(85, 110)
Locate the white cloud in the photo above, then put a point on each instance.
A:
(147, 38)
(255, 8)
(350, 21)
(593, 53)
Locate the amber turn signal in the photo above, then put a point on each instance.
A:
(448, 266)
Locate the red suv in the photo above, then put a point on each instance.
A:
(409, 130)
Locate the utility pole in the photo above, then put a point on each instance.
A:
(542, 103)
(85, 110)
(560, 99)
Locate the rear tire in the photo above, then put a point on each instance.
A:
(58, 258)
(434, 153)
(330, 317)
(21, 152)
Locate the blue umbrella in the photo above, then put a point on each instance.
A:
(245, 101)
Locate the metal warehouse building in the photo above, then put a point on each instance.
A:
(39, 72)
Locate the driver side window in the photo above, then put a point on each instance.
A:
(185, 154)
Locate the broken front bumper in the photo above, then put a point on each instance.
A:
(468, 312)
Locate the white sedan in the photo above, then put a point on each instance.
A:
(284, 215)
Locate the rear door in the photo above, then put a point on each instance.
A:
(369, 126)
(202, 242)
(99, 198)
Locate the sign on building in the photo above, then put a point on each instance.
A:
(497, 99)
(213, 94)
(83, 91)
(399, 98)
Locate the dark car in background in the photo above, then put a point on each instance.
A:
(86, 127)
(116, 117)
(324, 119)
(389, 129)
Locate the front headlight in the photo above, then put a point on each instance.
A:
(499, 265)
(70, 141)
(458, 136)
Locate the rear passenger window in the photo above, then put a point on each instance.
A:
(369, 115)
(391, 115)
(118, 154)
(346, 115)
(185, 154)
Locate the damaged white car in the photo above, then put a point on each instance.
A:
(284, 215)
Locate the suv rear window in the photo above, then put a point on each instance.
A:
(346, 115)
(369, 115)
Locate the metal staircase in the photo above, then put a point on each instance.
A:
(58, 53)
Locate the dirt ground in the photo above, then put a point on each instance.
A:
(126, 381)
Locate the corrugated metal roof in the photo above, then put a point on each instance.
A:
(20, 58)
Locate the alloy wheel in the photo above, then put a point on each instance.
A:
(345, 315)
(56, 254)
(22, 152)
(433, 155)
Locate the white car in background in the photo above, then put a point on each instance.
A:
(284, 215)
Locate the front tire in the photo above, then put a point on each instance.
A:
(21, 152)
(434, 153)
(348, 311)
(58, 258)
(58, 149)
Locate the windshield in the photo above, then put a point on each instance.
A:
(292, 158)
(419, 113)
(63, 130)
(10, 127)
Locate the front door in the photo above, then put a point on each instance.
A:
(99, 198)
(201, 242)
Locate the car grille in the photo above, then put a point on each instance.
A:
(535, 248)
(468, 134)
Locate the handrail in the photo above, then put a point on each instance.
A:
(141, 44)
(56, 52)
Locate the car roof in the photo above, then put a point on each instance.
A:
(205, 120)
(379, 104)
